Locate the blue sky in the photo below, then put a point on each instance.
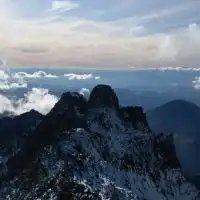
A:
(100, 34)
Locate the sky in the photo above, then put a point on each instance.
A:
(100, 34)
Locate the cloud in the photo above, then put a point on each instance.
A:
(163, 69)
(85, 92)
(196, 83)
(3, 75)
(73, 76)
(34, 49)
(60, 6)
(35, 75)
(6, 85)
(5, 104)
(106, 48)
(106, 34)
(9, 80)
(38, 99)
(167, 51)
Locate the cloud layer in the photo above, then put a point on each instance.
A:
(186, 69)
(38, 99)
(62, 6)
(3, 75)
(104, 34)
(73, 76)
(38, 74)
(10, 80)
(6, 85)
(15, 80)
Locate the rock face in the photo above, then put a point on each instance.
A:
(95, 150)
(103, 95)
(136, 116)
(67, 114)
(164, 145)
(14, 130)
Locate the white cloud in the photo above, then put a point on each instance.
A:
(6, 104)
(196, 83)
(63, 6)
(163, 69)
(3, 75)
(81, 42)
(6, 12)
(6, 85)
(167, 50)
(38, 74)
(73, 76)
(38, 99)
(76, 40)
(85, 92)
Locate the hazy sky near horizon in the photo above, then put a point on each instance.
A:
(100, 34)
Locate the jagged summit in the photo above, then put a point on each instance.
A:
(103, 95)
(95, 150)
(136, 116)
(70, 101)
(33, 111)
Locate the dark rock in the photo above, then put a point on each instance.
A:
(70, 100)
(67, 114)
(73, 191)
(103, 95)
(135, 115)
(164, 146)
(71, 112)
(68, 162)
(14, 129)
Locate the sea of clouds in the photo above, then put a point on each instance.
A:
(36, 98)
(9, 80)
(40, 99)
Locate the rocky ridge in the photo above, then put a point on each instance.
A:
(95, 149)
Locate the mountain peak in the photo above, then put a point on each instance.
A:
(103, 95)
(68, 100)
(98, 153)
(32, 113)
(175, 116)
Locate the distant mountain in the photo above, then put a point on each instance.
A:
(95, 150)
(177, 116)
(183, 119)
(146, 99)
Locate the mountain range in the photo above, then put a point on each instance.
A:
(94, 149)
(182, 118)
(177, 116)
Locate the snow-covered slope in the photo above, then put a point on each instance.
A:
(109, 154)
